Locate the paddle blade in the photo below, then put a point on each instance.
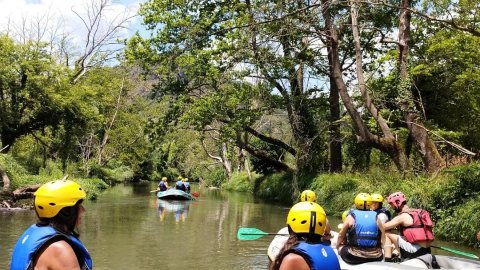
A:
(466, 254)
(249, 233)
(195, 194)
(151, 191)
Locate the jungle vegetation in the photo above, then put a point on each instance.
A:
(295, 93)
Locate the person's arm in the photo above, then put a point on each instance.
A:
(395, 222)
(327, 235)
(478, 236)
(382, 230)
(294, 262)
(58, 255)
(343, 231)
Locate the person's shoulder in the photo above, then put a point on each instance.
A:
(58, 255)
(294, 261)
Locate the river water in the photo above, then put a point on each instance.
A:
(128, 228)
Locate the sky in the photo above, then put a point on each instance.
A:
(13, 12)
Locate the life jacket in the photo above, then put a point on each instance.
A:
(179, 185)
(365, 233)
(319, 256)
(421, 229)
(187, 186)
(162, 186)
(384, 211)
(35, 237)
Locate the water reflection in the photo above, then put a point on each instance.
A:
(178, 208)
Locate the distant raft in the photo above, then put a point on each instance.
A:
(174, 194)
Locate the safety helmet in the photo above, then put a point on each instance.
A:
(345, 214)
(308, 196)
(164, 178)
(307, 217)
(363, 201)
(397, 199)
(377, 198)
(51, 197)
(185, 179)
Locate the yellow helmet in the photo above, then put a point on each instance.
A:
(307, 217)
(363, 201)
(377, 198)
(51, 197)
(164, 178)
(308, 196)
(185, 179)
(345, 214)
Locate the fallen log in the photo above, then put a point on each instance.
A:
(25, 192)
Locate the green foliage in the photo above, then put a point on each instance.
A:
(215, 177)
(461, 222)
(115, 171)
(13, 169)
(459, 185)
(258, 165)
(240, 182)
(277, 187)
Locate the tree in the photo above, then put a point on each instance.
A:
(30, 89)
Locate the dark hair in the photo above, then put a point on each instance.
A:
(65, 221)
(293, 239)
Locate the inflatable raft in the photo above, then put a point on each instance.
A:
(445, 262)
(174, 194)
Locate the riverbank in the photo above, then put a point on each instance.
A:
(9, 202)
(452, 196)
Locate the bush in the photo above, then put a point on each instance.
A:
(240, 182)
(276, 187)
(215, 177)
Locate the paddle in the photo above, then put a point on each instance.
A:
(466, 254)
(151, 191)
(252, 234)
(195, 194)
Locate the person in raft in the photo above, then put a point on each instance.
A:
(163, 185)
(377, 206)
(415, 228)
(186, 184)
(360, 239)
(53, 242)
(311, 196)
(179, 184)
(304, 249)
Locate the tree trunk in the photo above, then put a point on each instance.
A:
(431, 158)
(227, 165)
(386, 144)
(336, 161)
(5, 179)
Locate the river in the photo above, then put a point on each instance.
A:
(128, 228)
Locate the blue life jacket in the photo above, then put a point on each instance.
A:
(187, 186)
(365, 233)
(35, 237)
(162, 186)
(385, 211)
(319, 256)
(179, 185)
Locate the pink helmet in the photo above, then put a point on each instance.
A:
(397, 199)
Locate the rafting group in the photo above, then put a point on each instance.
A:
(365, 237)
(181, 184)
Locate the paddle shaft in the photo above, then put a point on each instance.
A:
(263, 234)
(466, 254)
